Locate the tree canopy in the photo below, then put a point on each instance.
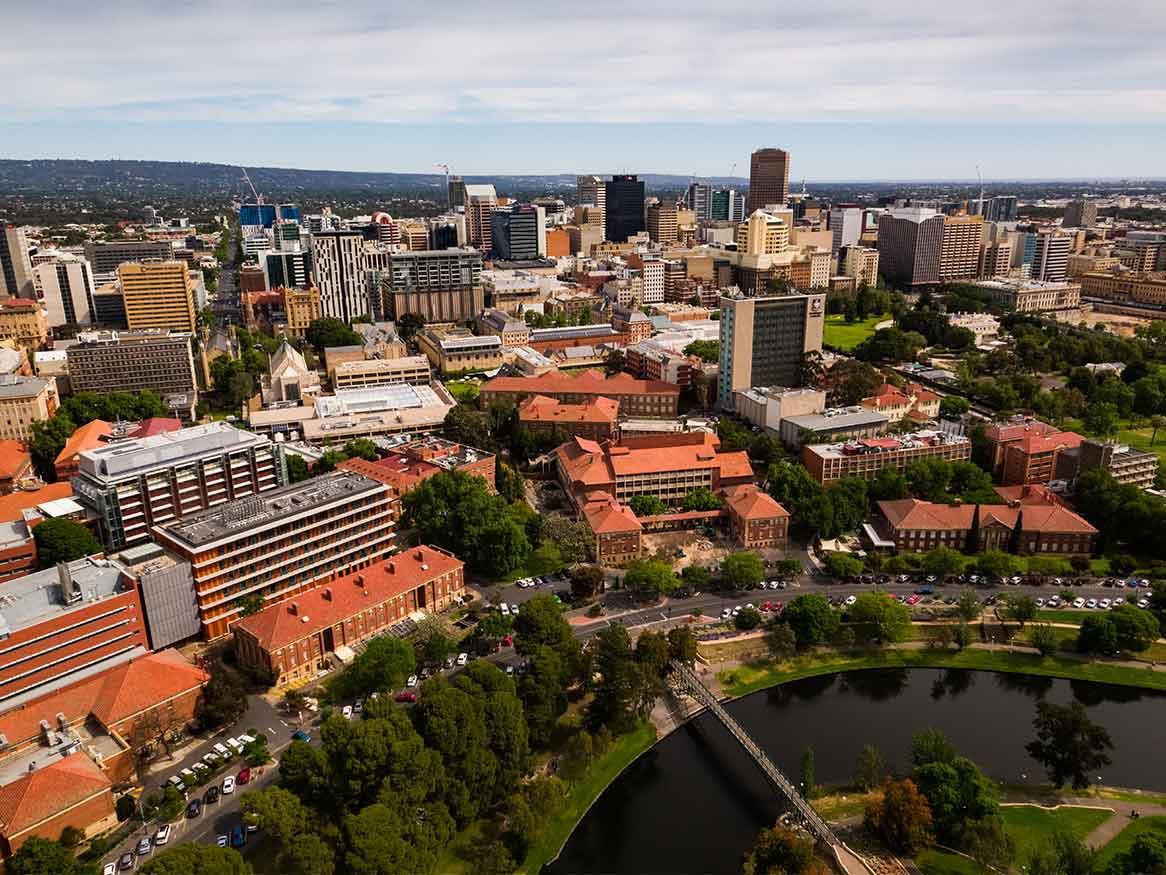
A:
(62, 540)
(1069, 745)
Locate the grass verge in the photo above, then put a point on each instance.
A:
(847, 335)
(1030, 826)
(750, 678)
(934, 861)
(558, 828)
(1155, 826)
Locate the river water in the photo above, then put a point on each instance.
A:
(695, 802)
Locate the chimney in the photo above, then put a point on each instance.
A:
(61, 721)
(291, 609)
(327, 593)
(419, 555)
(392, 567)
(360, 580)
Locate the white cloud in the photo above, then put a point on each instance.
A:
(598, 62)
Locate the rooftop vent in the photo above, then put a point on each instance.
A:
(327, 594)
(292, 609)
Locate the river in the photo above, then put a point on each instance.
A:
(695, 802)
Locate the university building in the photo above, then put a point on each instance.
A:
(644, 398)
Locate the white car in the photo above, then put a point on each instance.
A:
(505, 609)
(850, 600)
(1040, 603)
(463, 658)
(221, 750)
(347, 712)
(1078, 603)
(162, 835)
(228, 785)
(412, 681)
(1143, 603)
(1053, 602)
(726, 613)
(1118, 602)
(736, 610)
(1091, 604)
(109, 869)
(1104, 604)
(222, 841)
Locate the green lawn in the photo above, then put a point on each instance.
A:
(933, 861)
(845, 336)
(1030, 826)
(557, 829)
(545, 560)
(758, 676)
(1074, 618)
(1155, 826)
(1138, 438)
(463, 393)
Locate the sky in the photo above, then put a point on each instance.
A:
(898, 89)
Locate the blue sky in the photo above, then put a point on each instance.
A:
(891, 90)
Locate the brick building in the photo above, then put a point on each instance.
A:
(616, 529)
(866, 457)
(595, 418)
(756, 521)
(296, 638)
(1028, 450)
(1035, 528)
(913, 401)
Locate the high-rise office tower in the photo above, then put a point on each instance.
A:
(158, 294)
(288, 268)
(108, 257)
(995, 259)
(763, 234)
(764, 340)
(256, 217)
(623, 215)
(700, 200)
(1050, 261)
(999, 208)
(959, 256)
(440, 286)
(910, 242)
(728, 205)
(15, 264)
(480, 203)
(1080, 214)
(516, 233)
(768, 178)
(338, 272)
(846, 226)
(446, 232)
(66, 287)
(456, 189)
(592, 191)
(662, 222)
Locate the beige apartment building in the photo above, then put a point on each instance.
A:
(959, 256)
(862, 263)
(413, 369)
(662, 222)
(995, 259)
(1149, 288)
(23, 401)
(24, 323)
(763, 234)
(301, 307)
(1079, 264)
(158, 294)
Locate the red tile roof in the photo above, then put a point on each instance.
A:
(750, 503)
(910, 513)
(42, 794)
(14, 460)
(324, 606)
(606, 516)
(1004, 432)
(540, 408)
(110, 696)
(12, 505)
(88, 437)
(1028, 493)
(589, 463)
(589, 382)
(1034, 443)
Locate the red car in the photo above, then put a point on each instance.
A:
(767, 606)
(912, 599)
(508, 641)
(405, 696)
(244, 776)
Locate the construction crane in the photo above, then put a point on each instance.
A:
(258, 197)
(448, 200)
(980, 177)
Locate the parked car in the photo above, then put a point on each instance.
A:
(298, 735)
(212, 795)
(412, 681)
(221, 750)
(1104, 604)
(228, 785)
(238, 836)
(463, 658)
(1091, 603)
(405, 696)
(109, 869)
(176, 782)
(245, 774)
(1078, 602)
(162, 835)
(125, 862)
(233, 744)
(850, 599)
(358, 706)
(194, 809)
(144, 846)
(222, 841)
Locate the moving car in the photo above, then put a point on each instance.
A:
(298, 735)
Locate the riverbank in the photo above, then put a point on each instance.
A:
(752, 677)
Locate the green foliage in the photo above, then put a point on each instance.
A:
(742, 570)
(747, 619)
(508, 481)
(62, 540)
(222, 700)
(650, 578)
(889, 484)
(587, 581)
(384, 665)
(997, 563)
(842, 565)
(956, 792)
(682, 644)
(954, 405)
(456, 511)
(1069, 745)
(469, 427)
(807, 774)
(871, 768)
(705, 350)
(1043, 638)
(1064, 854)
(812, 620)
(384, 838)
(297, 468)
(616, 703)
(193, 859)
(879, 618)
(1102, 420)
(701, 498)
(1136, 628)
(780, 639)
(890, 345)
(647, 505)
(48, 438)
(780, 849)
(328, 332)
(696, 577)
(931, 746)
(38, 856)
(543, 693)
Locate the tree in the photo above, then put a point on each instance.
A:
(743, 570)
(616, 693)
(614, 361)
(384, 665)
(842, 565)
(307, 854)
(435, 646)
(540, 622)
(587, 581)
(968, 607)
(469, 427)
(543, 693)
(889, 484)
(384, 838)
(39, 856)
(222, 700)
(682, 645)
(62, 540)
(195, 859)
(297, 468)
(361, 448)
(880, 618)
(954, 406)
(1102, 419)
(701, 498)
(329, 331)
(647, 505)
(276, 811)
(1136, 629)
(748, 618)
(812, 619)
(901, 817)
(781, 850)
(578, 752)
(986, 841)
(997, 563)
(1022, 609)
(956, 792)
(705, 350)
(408, 325)
(943, 561)
(573, 538)
(1064, 854)
(509, 482)
(1043, 638)
(807, 773)
(695, 577)
(1148, 854)
(251, 604)
(931, 746)
(871, 768)
(781, 640)
(1069, 745)
(650, 578)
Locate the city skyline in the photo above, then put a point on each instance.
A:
(852, 92)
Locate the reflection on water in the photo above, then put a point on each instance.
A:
(695, 803)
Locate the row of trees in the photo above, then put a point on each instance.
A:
(701, 498)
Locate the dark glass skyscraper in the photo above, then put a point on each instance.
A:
(624, 210)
